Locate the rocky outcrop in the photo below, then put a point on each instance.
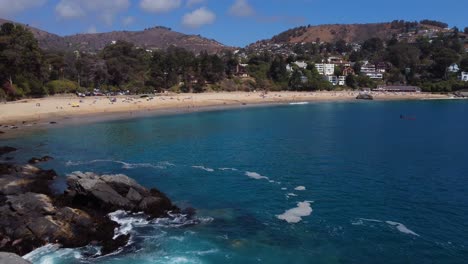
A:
(364, 96)
(32, 216)
(10, 258)
(108, 193)
(38, 160)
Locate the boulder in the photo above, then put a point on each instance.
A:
(38, 160)
(109, 193)
(10, 258)
(364, 96)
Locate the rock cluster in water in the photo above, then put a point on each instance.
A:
(31, 215)
(364, 96)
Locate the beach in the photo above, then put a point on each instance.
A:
(28, 113)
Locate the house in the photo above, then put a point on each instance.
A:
(342, 80)
(336, 80)
(453, 68)
(400, 89)
(375, 75)
(301, 64)
(241, 70)
(325, 68)
(368, 68)
(332, 79)
(381, 67)
(348, 71)
(339, 61)
(464, 76)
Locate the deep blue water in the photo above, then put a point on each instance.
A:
(382, 189)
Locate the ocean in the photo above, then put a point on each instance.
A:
(331, 182)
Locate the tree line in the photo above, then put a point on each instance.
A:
(28, 71)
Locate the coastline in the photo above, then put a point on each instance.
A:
(32, 114)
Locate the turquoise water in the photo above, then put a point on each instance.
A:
(381, 189)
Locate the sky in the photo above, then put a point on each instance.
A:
(231, 22)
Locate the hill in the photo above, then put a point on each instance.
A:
(353, 33)
(152, 38)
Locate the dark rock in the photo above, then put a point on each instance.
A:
(4, 150)
(109, 193)
(1, 132)
(53, 123)
(365, 97)
(8, 158)
(10, 258)
(38, 160)
(31, 216)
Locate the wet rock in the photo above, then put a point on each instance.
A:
(4, 150)
(31, 216)
(109, 193)
(38, 160)
(10, 258)
(365, 97)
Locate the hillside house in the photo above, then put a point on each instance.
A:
(336, 80)
(464, 76)
(453, 68)
(241, 70)
(325, 68)
(348, 71)
(368, 68)
(381, 67)
(338, 61)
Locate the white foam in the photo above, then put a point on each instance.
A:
(402, 228)
(127, 222)
(299, 103)
(284, 188)
(256, 176)
(125, 165)
(291, 194)
(228, 169)
(300, 188)
(203, 168)
(295, 215)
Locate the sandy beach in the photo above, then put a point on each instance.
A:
(31, 112)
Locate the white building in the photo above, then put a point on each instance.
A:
(368, 68)
(301, 64)
(325, 68)
(374, 75)
(340, 80)
(453, 68)
(464, 76)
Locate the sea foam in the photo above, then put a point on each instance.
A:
(256, 176)
(299, 103)
(295, 215)
(300, 188)
(125, 165)
(402, 228)
(203, 168)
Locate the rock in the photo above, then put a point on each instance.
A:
(365, 97)
(113, 192)
(1, 132)
(38, 160)
(4, 150)
(10, 258)
(53, 123)
(32, 216)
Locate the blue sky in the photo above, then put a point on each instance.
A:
(232, 22)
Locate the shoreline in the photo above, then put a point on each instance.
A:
(33, 114)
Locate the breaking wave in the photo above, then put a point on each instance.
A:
(125, 165)
(295, 215)
(256, 176)
(203, 168)
(399, 226)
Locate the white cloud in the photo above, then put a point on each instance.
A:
(128, 20)
(10, 7)
(105, 10)
(199, 17)
(191, 3)
(241, 8)
(159, 6)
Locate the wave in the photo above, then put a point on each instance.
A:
(203, 168)
(300, 188)
(402, 228)
(299, 103)
(51, 252)
(125, 165)
(295, 215)
(256, 176)
(127, 222)
(228, 169)
(291, 194)
(399, 226)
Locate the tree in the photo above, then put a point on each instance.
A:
(295, 82)
(278, 72)
(21, 62)
(466, 30)
(443, 58)
(351, 81)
